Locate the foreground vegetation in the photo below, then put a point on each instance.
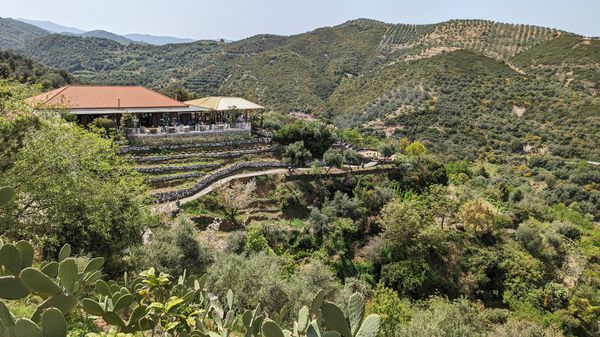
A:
(481, 218)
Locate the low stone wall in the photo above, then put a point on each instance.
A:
(179, 138)
(211, 178)
(216, 154)
(176, 177)
(262, 133)
(179, 147)
(167, 169)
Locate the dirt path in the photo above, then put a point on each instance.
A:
(227, 179)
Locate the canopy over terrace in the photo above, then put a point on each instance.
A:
(222, 103)
(234, 110)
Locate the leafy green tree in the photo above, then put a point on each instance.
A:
(342, 206)
(351, 157)
(415, 149)
(417, 173)
(316, 136)
(477, 216)
(173, 251)
(440, 204)
(340, 238)
(523, 328)
(319, 223)
(554, 296)
(441, 317)
(73, 186)
(296, 154)
(291, 199)
(333, 158)
(412, 277)
(386, 149)
(256, 242)
(402, 221)
(352, 136)
(393, 310)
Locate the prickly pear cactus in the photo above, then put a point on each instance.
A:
(328, 321)
(6, 194)
(57, 282)
(52, 324)
(154, 299)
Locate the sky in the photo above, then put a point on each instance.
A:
(237, 19)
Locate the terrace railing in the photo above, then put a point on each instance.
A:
(190, 129)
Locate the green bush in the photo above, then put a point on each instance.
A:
(296, 154)
(441, 317)
(316, 136)
(173, 251)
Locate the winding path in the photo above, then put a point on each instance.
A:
(250, 174)
(227, 179)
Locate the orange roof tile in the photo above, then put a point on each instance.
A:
(104, 97)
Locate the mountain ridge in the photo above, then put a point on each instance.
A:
(379, 77)
(52, 27)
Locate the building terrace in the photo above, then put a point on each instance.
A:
(146, 113)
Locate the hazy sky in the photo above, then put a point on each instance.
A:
(236, 19)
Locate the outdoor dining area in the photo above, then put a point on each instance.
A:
(145, 113)
(216, 114)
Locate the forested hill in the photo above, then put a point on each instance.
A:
(25, 70)
(15, 34)
(442, 81)
(285, 72)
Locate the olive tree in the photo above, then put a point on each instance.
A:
(236, 196)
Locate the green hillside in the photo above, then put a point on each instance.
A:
(297, 72)
(25, 70)
(107, 35)
(445, 82)
(573, 61)
(493, 39)
(463, 101)
(15, 34)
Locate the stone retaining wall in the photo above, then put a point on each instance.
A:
(176, 177)
(211, 178)
(167, 169)
(216, 154)
(178, 147)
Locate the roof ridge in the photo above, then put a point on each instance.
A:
(59, 91)
(163, 95)
(106, 86)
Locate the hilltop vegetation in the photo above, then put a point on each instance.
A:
(15, 34)
(443, 81)
(460, 101)
(573, 62)
(493, 39)
(298, 72)
(25, 70)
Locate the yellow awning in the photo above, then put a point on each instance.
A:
(221, 103)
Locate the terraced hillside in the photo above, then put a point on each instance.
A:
(171, 169)
(493, 39)
(298, 72)
(460, 102)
